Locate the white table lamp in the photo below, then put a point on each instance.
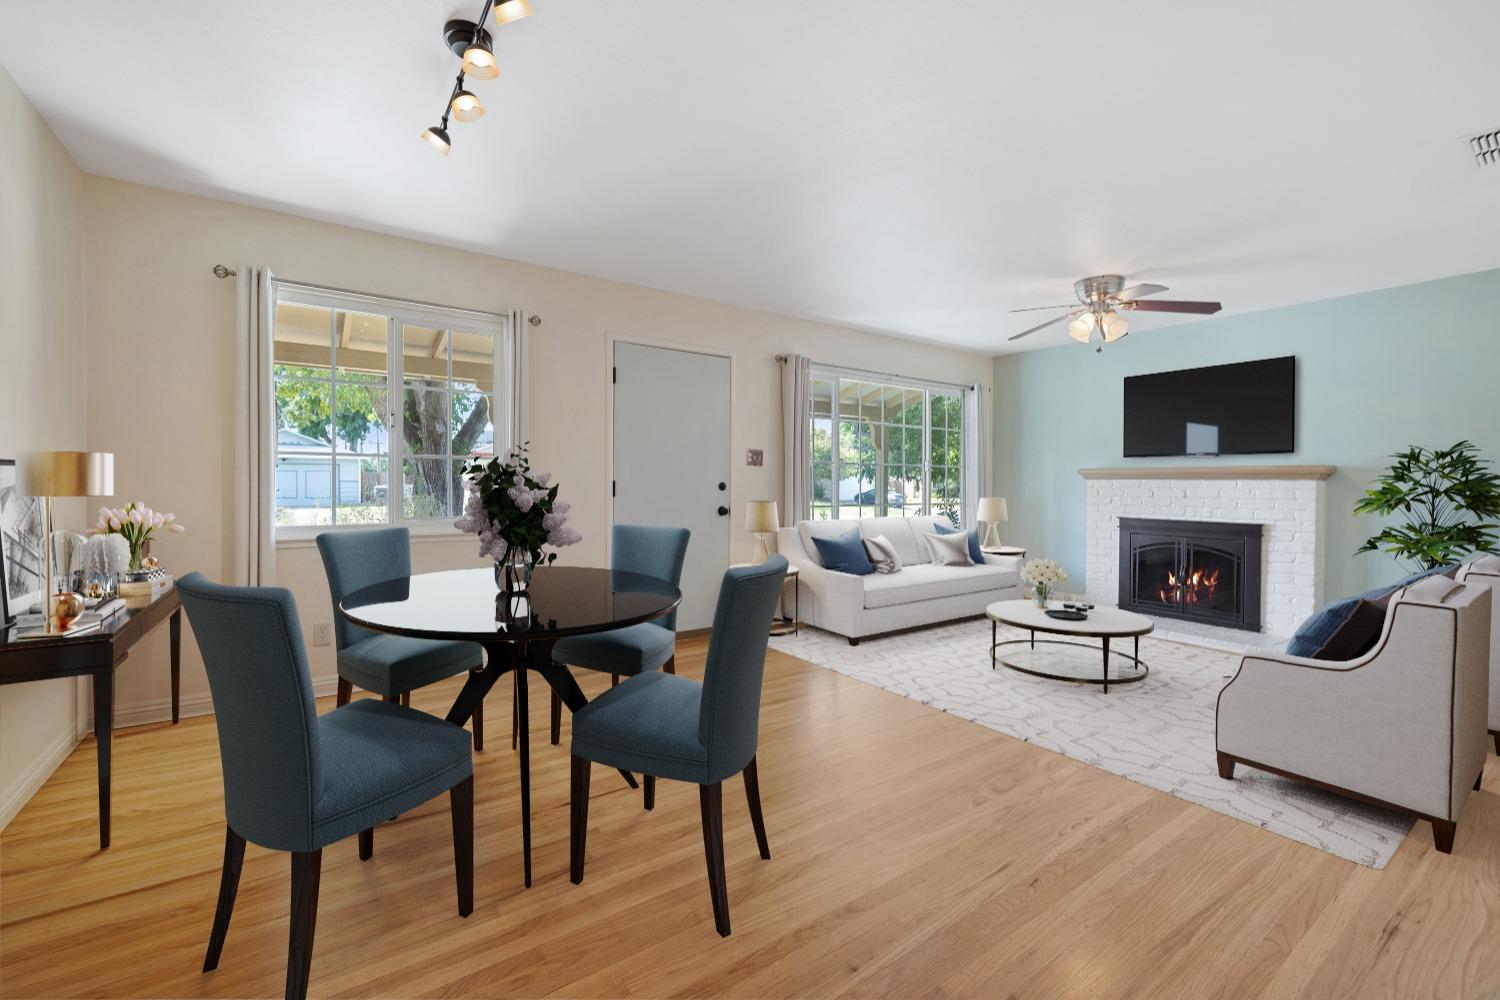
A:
(48, 474)
(991, 512)
(762, 518)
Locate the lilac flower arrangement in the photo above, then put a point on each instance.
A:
(137, 524)
(513, 509)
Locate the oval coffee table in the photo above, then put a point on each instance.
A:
(1102, 623)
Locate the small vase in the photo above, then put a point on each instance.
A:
(1040, 593)
(513, 573)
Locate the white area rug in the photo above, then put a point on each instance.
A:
(1159, 731)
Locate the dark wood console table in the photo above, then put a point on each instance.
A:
(97, 654)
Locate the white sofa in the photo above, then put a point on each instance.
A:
(1402, 726)
(920, 594)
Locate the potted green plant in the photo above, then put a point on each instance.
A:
(1447, 499)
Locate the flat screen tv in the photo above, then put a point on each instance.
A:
(1242, 409)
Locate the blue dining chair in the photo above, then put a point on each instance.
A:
(296, 781)
(389, 665)
(625, 652)
(671, 727)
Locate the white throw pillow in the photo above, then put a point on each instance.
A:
(883, 554)
(950, 550)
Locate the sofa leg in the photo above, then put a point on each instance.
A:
(1442, 835)
(1478, 779)
(1496, 734)
(854, 640)
(1226, 766)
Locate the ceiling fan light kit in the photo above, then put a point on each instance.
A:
(1101, 298)
(472, 43)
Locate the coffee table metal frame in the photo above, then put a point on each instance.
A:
(996, 642)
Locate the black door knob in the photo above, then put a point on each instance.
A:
(723, 487)
(723, 511)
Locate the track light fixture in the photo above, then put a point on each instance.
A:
(475, 46)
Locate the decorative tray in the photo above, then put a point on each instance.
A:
(1067, 616)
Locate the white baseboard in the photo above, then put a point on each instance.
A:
(34, 777)
(143, 713)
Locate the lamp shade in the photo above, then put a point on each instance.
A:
(991, 509)
(507, 11)
(65, 473)
(761, 516)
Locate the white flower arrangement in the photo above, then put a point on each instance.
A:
(1043, 571)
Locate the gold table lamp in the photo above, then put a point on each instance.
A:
(49, 474)
(761, 517)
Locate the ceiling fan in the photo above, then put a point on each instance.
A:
(1101, 299)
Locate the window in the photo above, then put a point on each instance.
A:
(880, 447)
(378, 405)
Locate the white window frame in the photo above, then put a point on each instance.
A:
(400, 313)
(928, 389)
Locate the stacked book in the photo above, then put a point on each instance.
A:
(140, 593)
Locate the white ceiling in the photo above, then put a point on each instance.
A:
(917, 168)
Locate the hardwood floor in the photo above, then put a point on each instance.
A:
(915, 855)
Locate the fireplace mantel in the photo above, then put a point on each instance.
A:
(1303, 472)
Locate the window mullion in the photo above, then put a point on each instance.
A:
(395, 478)
(838, 438)
(927, 451)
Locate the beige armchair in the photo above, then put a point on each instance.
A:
(1485, 572)
(1402, 726)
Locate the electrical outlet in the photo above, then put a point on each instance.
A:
(322, 635)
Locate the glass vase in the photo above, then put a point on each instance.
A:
(513, 573)
(1040, 592)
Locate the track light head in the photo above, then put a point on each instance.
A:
(437, 138)
(466, 107)
(479, 61)
(507, 11)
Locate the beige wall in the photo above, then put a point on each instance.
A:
(160, 368)
(42, 386)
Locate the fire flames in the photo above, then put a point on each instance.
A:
(1196, 586)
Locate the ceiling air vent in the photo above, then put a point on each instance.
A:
(1486, 147)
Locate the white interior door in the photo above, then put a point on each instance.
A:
(671, 460)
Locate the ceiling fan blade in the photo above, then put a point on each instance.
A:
(1139, 291)
(1058, 319)
(1170, 306)
(1032, 309)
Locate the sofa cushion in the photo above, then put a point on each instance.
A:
(883, 555)
(844, 553)
(808, 530)
(976, 554)
(898, 532)
(927, 582)
(949, 550)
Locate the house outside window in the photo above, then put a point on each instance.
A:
(379, 403)
(881, 446)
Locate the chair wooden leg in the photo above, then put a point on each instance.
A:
(477, 721)
(1226, 766)
(578, 818)
(461, 805)
(757, 820)
(367, 844)
(1442, 835)
(346, 691)
(229, 884)
(1497, 743)
(394, 699)
(711, 803)
(406, 699)
(671, 665)
(556, 719)
(650, 791)
(614, 680)
(307, 867)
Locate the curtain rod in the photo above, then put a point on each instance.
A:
(220, 271)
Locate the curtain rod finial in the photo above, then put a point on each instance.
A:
(220, 271)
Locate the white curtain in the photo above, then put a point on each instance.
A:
(254, 430)
(796, 459)
(519, 343)
(977, 457)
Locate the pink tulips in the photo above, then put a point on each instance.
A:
(137, 524)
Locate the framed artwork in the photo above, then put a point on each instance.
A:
(20, 546)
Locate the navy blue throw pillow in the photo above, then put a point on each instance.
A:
(1314, 633)
(975, 552)
(845, 554)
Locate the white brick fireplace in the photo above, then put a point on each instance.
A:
(1287, 500)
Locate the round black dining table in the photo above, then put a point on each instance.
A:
(517, 631)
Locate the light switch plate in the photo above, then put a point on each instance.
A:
(755, 456)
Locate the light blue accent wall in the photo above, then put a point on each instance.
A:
(1376, 372)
